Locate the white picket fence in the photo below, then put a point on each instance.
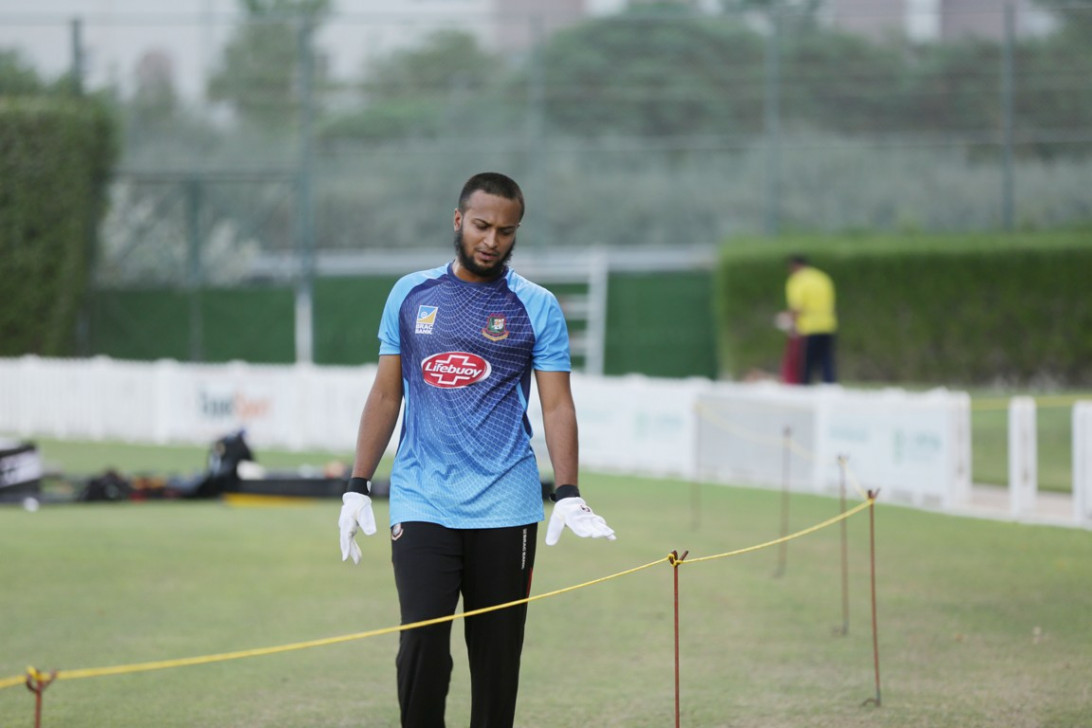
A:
(913, 446)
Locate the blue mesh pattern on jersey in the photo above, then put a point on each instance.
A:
(464, 456)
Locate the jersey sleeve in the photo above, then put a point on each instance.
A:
(551, 349)
(390, 340)
(551, 353)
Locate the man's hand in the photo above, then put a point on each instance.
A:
(356, 514)
(574, 513)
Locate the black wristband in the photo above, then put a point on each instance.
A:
(359, 485)
(565, 491)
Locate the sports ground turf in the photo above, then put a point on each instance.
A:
(981, 623)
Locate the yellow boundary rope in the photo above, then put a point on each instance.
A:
(34, 674)
(749, 549)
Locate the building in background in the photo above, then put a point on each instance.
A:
(935, 20)
(519, 24)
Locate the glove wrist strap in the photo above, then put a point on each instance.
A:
(565, 491)
(359, 485)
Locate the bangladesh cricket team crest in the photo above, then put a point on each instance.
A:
(495, 328)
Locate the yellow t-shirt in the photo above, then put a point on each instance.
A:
(810, 293)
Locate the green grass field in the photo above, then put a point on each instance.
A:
(981, 623)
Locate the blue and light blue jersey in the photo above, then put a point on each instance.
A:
(464, 455)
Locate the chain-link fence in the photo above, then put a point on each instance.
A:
(288, 137)
(277, 133)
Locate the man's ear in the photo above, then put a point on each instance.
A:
(458, 220)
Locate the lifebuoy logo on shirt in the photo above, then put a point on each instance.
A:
(454, 369)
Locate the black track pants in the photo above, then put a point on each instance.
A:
(433, 565)
(819, 355)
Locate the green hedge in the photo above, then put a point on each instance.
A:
(950, 309)
(55, 159)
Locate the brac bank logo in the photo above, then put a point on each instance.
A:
(454, 369)
(233, 406)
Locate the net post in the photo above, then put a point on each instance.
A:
(37, 682)
(842, 459)
(872, 494)
(786, 458)
(674, 559)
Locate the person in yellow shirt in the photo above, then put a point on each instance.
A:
(809, 293)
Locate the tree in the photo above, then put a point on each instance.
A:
(449, 61)
(841, 82)
(1075, 16)
(807, 8)
(155, 99)
(638, 75)
(16, 77)
(261, 67)
(418, 91)
(159, 129)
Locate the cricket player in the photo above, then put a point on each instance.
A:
(458, 346)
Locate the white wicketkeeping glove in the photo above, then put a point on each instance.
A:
(574, 513)
(356, 514)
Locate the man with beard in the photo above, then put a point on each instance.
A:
(459, 344)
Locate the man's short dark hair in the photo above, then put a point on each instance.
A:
(798, 259)
(492, 183)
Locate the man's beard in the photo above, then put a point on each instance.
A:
(466, 260)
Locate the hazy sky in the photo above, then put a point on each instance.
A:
(117, 33)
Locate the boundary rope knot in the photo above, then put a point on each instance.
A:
(37, 682)
(675, 560)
